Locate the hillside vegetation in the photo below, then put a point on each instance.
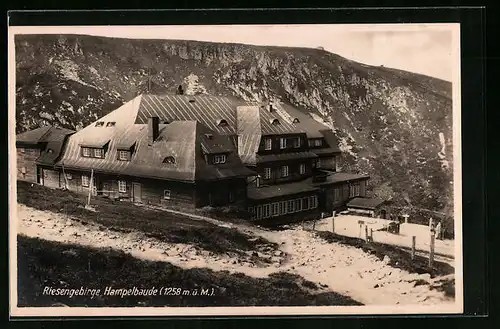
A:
(394, 125)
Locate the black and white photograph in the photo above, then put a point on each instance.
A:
(197, 170)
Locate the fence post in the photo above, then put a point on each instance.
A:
(371, 234)
(366, 233)
(413, 244)
(333, 223)
(431, 251)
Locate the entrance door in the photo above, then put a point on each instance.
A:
(39, 176)
(136, 191)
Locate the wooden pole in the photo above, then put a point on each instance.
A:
(90, 186)
(333, 224)
(65, 178)
(413, 244)
(431, 251)
(366, 232)
(371, 234)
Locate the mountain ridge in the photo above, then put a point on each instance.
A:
(393, 124)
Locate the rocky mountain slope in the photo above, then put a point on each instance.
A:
(394, 125)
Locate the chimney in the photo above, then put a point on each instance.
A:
(270, 107)
(180, 90)
(153, 129)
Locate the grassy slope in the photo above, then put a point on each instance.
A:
(43, 263)
(123, 216)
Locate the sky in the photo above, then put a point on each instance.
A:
(421, 48)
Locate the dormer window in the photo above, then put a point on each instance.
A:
(296, 120)
(315, 142)
(222, 123)
(219, 158)
(110, 124)
(99, 123)
(169, 160)
(124, 155)
(98, 153)
(275, 122)
(296, 142)
(85, 151)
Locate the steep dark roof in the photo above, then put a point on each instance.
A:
(185, 141)
(49, 139)
(32, 136)
(365, 203)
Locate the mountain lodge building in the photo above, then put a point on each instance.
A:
(278, 164)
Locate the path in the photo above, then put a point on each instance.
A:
(342, 269)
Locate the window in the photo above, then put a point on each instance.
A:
(23, 170)
(267, 173)
(169, 160)
(311, 143)
(268, 143)
(318, 163)
(50, 151)
(98, 153)
(275, 209)
(99, 123)
(305, 203)
(282, 143)
(296, 142)
(69, 176)
(298, 205)
(123, 155)
(284, 171)
(86, 152)
(266, 210)
(291, 206)
(110, 124)
(282, 208)
(231, 196)
(166, 194)
(122, 186)
(302, 168)
(259, 212)
(313, 202)
(318, 142)
(220, 158)
(85, 181)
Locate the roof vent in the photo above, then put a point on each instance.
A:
(191, 100)
(296, 120)
(222, 123)
(169, 160)
(275, 122)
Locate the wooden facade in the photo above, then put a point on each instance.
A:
(26, 163)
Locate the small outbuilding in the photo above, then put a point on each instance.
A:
(368, 207)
